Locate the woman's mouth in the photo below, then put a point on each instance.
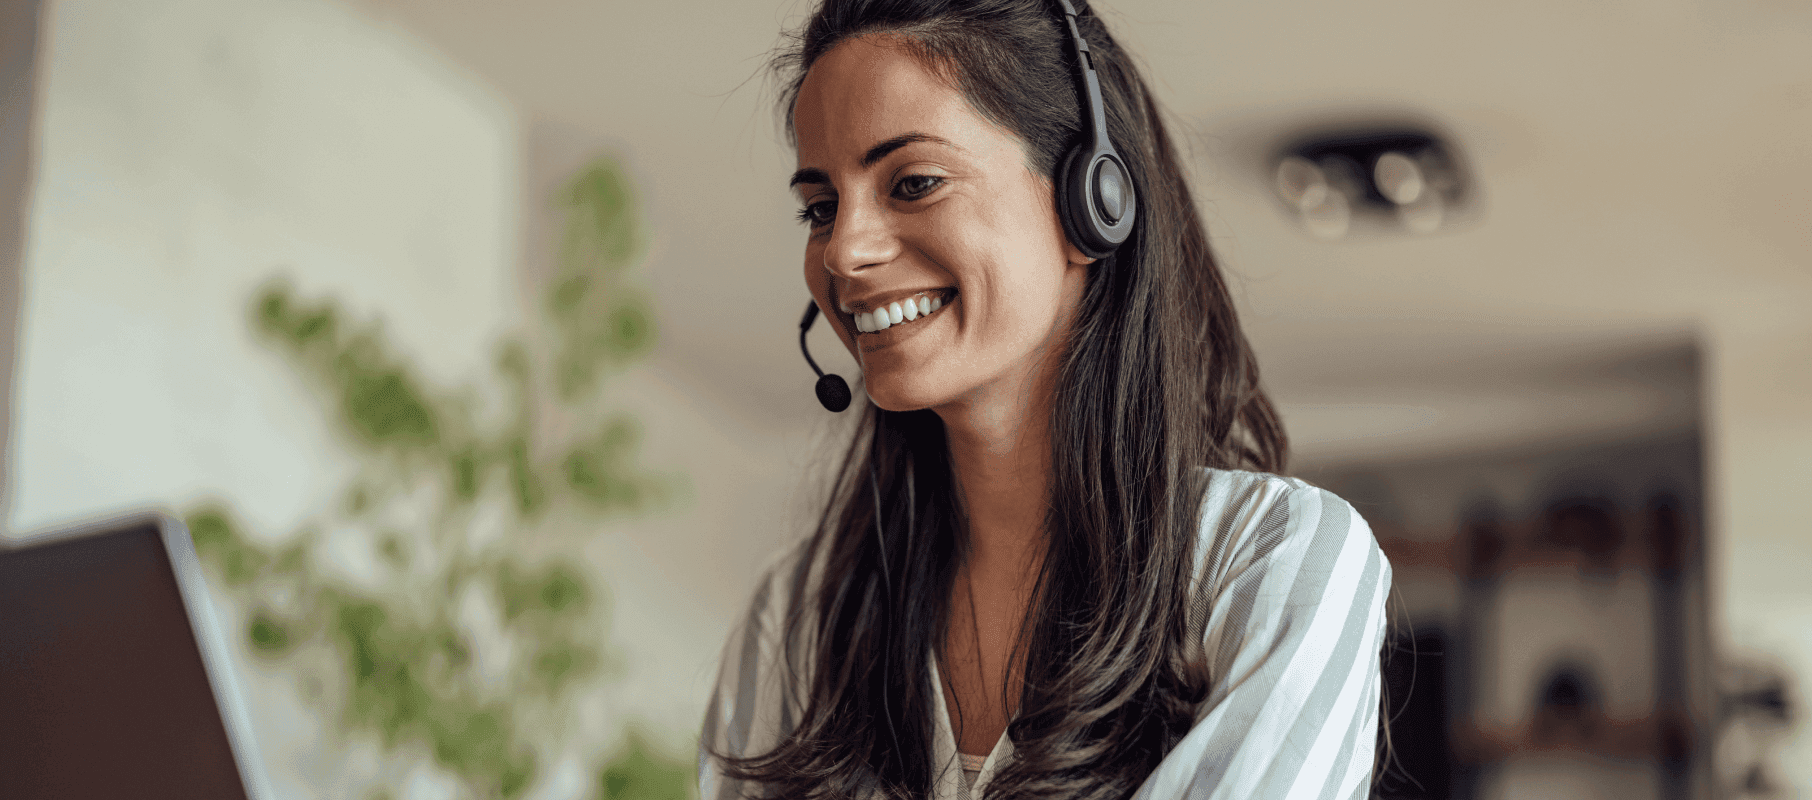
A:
(903, 312)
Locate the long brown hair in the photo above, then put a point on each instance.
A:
(1157, 381)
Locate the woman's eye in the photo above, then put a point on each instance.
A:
(818, 214)
(913, 187)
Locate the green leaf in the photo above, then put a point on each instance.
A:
(559, 589)
(601, 205)
(531, 496)
(394, 548)
(638, 773)
(560, 662)
(631, 329)
(219, 545)
(516, 775)
(268, 635)
(562, 590)
(382, 402)
(211, 532)
(465, 475)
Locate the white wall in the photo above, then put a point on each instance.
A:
(187, 150)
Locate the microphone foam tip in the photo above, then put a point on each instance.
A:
(833, 392)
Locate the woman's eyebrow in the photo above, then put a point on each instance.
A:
(874, 154)
(881, 150)
(808, 176)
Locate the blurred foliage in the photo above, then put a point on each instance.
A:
(598, 328)
(638, 774)
(480, 621)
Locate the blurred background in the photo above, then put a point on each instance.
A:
(463, 335)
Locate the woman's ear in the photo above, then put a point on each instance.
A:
(1076, 256)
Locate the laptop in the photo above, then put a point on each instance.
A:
(114, 676)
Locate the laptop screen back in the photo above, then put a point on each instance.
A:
(103, 692)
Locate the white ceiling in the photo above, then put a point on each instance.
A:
(1642, 167)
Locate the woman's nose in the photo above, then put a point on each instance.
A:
(862, 236)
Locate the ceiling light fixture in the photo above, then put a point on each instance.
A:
(1388, 178)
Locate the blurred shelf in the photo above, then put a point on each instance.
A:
(1664, 736)
(1590, 541)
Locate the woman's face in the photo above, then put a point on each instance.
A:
(911, 196)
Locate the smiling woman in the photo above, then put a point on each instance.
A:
(1057, 561)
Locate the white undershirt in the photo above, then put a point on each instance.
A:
(972, 766)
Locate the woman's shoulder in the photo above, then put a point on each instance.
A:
(1289, 608)
(1237, 501)
(1260, 520)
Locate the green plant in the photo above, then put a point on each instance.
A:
(481, 619)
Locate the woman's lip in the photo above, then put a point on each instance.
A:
(878, 340)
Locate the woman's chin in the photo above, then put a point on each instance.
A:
(892, 395)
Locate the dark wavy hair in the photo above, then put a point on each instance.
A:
(1156, 381)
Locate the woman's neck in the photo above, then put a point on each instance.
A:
(1000, 453)
(1002, 472)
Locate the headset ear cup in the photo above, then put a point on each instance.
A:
(1112, 228)
(1072, 205)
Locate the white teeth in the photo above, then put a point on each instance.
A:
(895, 313)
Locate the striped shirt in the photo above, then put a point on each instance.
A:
(1292, 586)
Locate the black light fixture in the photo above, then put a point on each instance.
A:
(1398, 178)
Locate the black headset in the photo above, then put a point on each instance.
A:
(1095, 195)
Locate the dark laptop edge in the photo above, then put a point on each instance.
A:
(210, 639)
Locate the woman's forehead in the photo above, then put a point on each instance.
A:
(869, 89)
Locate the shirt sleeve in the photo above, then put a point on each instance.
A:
(1293, 584)
(749, 709)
